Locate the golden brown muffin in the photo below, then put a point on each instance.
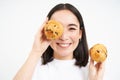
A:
(98, 53)
(53, 30)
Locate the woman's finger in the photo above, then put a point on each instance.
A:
(40, 32)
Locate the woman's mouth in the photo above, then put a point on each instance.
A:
(64, 45)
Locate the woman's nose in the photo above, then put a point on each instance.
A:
(64, 36)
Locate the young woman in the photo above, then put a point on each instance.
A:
(65, 58)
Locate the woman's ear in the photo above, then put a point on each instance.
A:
(80, 34)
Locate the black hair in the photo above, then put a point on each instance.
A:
(81, 52)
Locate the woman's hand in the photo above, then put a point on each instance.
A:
(96, 71)
(39, 46)
(40, 43)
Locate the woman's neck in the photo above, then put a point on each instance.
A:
(67, 57)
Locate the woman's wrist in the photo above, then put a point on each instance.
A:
(95, 79)
(36, 53)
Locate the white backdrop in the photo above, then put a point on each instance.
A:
(20, 19)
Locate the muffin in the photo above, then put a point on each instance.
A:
(53, 30)
(98, 53)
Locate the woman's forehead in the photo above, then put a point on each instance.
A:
(65, 16)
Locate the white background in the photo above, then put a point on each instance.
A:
(20, 19)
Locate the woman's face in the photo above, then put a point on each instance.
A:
(67, 43)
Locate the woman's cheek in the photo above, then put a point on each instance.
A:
(75, 35)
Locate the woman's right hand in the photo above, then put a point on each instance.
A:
(40, 43)
(39, 46)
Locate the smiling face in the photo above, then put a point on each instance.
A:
(67, 43)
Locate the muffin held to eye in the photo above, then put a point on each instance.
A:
(53, 30)
(98, 53)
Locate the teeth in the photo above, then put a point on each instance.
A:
(64, 44)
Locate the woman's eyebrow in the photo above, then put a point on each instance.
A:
(73, 25)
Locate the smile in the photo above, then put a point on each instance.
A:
(64, 45)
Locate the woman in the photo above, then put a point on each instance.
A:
(65, 58)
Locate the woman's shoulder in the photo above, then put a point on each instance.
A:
(85, 71)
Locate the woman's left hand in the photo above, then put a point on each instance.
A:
(96, 71)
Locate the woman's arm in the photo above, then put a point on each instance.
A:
(26, 71)
(96, 71)
(39, 46)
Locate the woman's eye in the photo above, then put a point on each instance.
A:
(72, 28)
